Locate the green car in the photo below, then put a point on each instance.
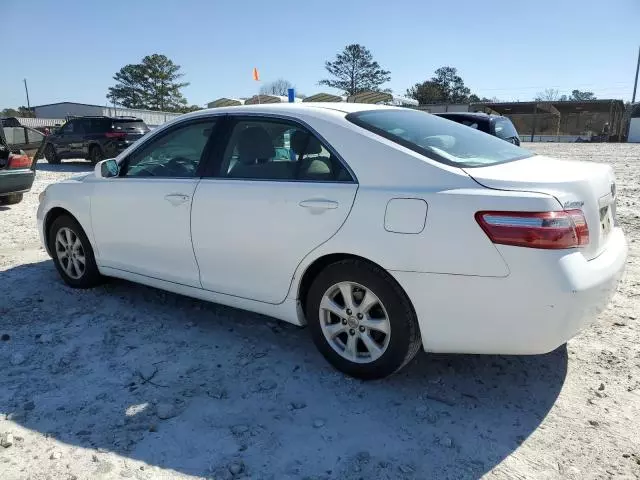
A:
(17, 172)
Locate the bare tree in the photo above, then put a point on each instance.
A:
(277, 87)
(549, 95)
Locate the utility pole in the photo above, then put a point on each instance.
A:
(26, 89)
(635, 83)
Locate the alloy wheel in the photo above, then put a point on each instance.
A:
(70, 253)
(355, 322)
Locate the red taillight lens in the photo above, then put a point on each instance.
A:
(19, 161)
(551, 230)
(115, 134)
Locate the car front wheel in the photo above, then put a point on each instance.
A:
(95, 155)
(72, 253)
(361, 320)
(51, 155)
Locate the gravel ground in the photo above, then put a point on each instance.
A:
(126, 381)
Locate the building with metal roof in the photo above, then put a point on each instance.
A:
(72, 109)
(324, 97)
(571, 120)
(225, 102)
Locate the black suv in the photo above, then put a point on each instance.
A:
(495, 125)
(93, 138)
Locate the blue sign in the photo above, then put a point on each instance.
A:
(292, 94)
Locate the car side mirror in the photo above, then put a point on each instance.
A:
(107, 168)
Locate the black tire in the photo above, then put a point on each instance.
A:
(90, 276)
(11, 199)
(51, 155)
(95, 154)
(404, 341)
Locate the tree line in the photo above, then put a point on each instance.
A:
(156, 84)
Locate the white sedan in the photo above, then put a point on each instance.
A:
(383, 229)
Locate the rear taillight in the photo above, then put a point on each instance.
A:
(115, 134)
(19, 161)
(551, 230)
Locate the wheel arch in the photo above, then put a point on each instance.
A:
(50, 217)
(314, 268)
(94, 144)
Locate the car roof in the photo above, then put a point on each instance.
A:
(309, 108)
(108, 117)
(476, 115)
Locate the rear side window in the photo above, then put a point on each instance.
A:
(273, 149)
(437, 138)
(504, 128)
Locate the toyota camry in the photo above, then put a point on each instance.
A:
(383, 229)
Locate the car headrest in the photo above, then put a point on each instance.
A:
(254, 144)
(303, 142)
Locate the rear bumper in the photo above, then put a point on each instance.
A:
(15, 181)
(548, 297)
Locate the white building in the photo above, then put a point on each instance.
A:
(65, 109)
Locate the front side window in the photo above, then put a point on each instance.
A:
(176, 154)
(278, 150)
(437, 138)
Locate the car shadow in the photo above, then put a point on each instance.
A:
(65, 166)
(192, 386)
(4, 207)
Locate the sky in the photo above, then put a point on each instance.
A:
(69, 50)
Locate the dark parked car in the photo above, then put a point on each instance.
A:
(17, 172)
(93, 138)
(495, 125)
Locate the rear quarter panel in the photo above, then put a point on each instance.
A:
(451, 242)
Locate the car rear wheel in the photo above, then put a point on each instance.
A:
(72, 253)
(95, 154)
(51, 155)
(11, 199)
(361, 320)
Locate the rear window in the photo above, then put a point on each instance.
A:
(437, 138)
(504, 128)
(130, 126)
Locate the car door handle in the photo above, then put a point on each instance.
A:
(319, 204)
(176, 198)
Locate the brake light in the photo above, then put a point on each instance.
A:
(550, 230)
(115, 134)
(19, 161)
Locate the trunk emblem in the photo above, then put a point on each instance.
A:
(569, 205)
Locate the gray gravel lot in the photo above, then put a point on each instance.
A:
(126, 381)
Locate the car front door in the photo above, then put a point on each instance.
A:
(63, 138)
(141, 219)
(274, 193)
(77, 138)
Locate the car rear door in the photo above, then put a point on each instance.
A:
(141, 219)
(274, 193)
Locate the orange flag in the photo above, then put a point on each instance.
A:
(256, 75)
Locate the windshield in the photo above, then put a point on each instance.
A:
(437, 138)
(505, 129)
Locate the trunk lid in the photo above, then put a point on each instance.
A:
(587, 186)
